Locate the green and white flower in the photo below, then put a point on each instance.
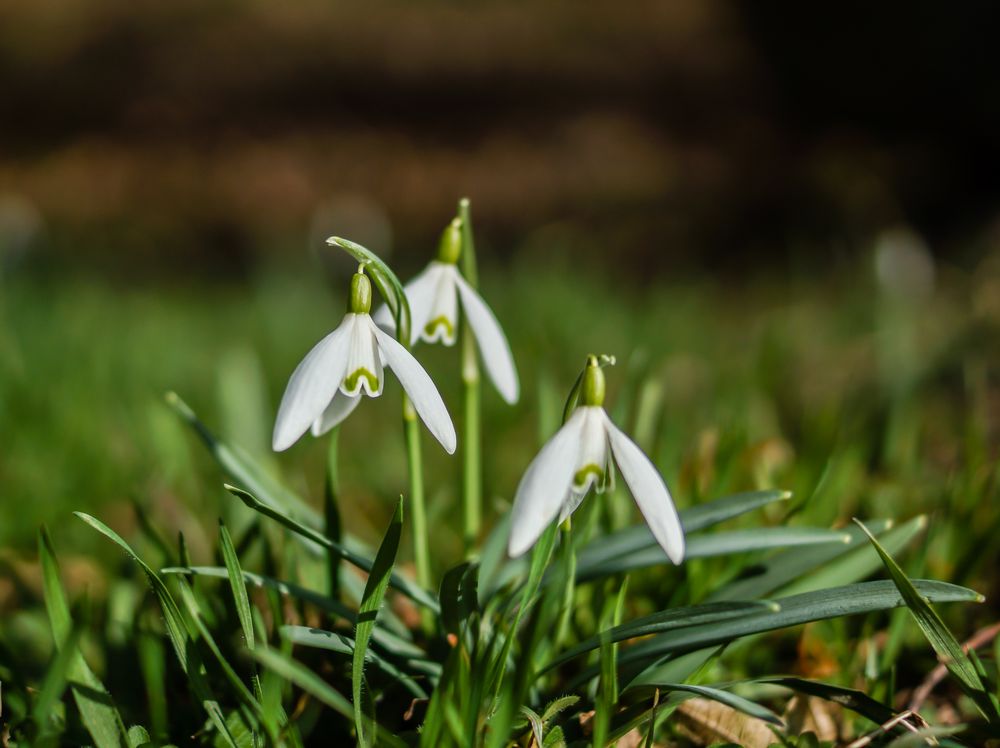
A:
(434, 297)
(349, 362)
(577, 459)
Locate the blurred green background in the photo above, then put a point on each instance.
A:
(783, 219)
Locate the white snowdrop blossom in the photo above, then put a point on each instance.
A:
(434, 296)
(578, 458)
(349, 362)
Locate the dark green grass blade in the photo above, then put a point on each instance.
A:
(718, 544)
(667, 620)
(793, 566)
(97, 709)
(183, 643)
(738, 703)
(596, 554)
(853, 599)
(378, 582)
(945, 644)
(408, 588)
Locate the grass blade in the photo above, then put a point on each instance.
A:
(238, 586)
(408, 588)
(945, 644)
(180, 637)
(97, 709)
(378, 582)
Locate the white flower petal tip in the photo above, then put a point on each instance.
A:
(545, 487)
(649, 491)
(493, 345)
(312, 386)
(420, 389)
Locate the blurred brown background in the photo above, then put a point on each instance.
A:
(194, 137)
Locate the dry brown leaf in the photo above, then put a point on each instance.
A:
(812, 714)
(704, 722)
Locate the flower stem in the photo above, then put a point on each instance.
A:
(472, 466)
(421, 553)
(331, 512)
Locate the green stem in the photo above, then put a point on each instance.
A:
(472, 465)
(421, 551)
(331, 512)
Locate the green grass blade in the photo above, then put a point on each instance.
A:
(738, 703)
(378, 582)
(408, 588)
(607, 688)
(97, 709)
(718, 544)
(332, 641)
(177, 632)
(385, 638)
(945, 644)
(54, 684)
(237, 584)
(596, 554)
(853, 599)
(298, 674)
(667, 620)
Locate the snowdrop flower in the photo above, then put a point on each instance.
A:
(577, 458)
(328, 384)
(433, 296)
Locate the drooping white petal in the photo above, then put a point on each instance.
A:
(420, 294)
(339, 408)
(312, 385)
(572, 503)
(364, 364)
(493, 345)
(421, 390)
(442, 318)
(649, 492)
(545, 487)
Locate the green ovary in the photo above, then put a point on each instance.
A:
(351, 382)
(437, 322)
(580, 479)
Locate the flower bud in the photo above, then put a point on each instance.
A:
(592, 391)
(450, 246)
(361, 294)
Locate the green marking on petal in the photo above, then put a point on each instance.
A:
(437, 322)
(351, 382)
(580, 478)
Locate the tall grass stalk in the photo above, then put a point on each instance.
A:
(472, 467)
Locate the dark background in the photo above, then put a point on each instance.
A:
(182, 137)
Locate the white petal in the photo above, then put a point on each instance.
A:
(420, 294)
(493, 345)
(363, 360)
(442, 317)
(339, 408)
(649, 491)
(545, 487)
(421, 390)
(312, 386)
(571, 504)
